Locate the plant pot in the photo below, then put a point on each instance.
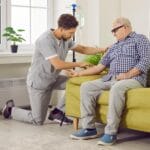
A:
(14, 48)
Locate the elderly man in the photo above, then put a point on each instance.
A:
(128, 60)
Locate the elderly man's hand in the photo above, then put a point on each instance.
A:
(122, 76)
(71, 73)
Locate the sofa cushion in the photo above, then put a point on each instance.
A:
(80, 80)
(136, 98)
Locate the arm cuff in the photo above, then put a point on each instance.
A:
(50, 57)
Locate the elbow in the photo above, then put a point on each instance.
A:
(83, 50)
(57, 67)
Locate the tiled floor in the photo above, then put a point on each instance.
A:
(21, 136)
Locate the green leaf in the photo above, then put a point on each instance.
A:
(10, 30)
(13, 35)
(93, 59)
(22, 39)
(20, 30)
(6, 34)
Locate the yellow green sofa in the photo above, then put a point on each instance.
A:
(136, 114)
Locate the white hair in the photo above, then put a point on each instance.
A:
(123, 21)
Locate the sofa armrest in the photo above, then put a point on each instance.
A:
(80, 80)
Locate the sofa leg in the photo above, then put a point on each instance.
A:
(75, 123)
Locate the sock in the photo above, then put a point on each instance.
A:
(55, 111)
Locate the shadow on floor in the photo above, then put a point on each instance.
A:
(131, 135)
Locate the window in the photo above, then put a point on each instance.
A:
(34, 16)
(2, 23)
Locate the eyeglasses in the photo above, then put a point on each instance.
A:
(116, 29)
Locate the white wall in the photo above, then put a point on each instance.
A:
(89, 33)
(14, 65)
(98, 16)
(60, 7)
(109, 10)
(138, 11)
(13, 70)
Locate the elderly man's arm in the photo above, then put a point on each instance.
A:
(90, 71)
(128, 75)
(143, 48)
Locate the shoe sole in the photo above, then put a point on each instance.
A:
(7, 107)
(84, 138)
(105, 144)
(5, 111)
(58, 121)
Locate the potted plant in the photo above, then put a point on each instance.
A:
(93, 59)
(14, 36)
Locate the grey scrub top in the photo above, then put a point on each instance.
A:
(42, 74)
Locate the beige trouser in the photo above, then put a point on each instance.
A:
(90, 91)
(39, 100)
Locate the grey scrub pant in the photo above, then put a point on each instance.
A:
(90, 91)
(39, 101)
